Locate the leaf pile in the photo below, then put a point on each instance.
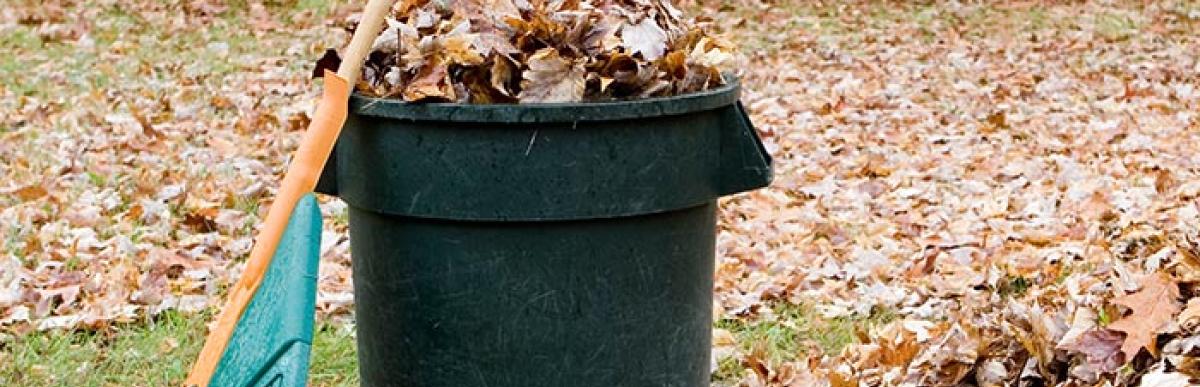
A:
(531, 51)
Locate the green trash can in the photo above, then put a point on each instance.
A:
(539, 245)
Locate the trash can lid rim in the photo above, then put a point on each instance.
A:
(721, 96)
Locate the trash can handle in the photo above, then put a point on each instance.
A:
(745, 163)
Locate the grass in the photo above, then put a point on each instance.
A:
(156, 352)
(793, 331)
(834, 22)
(1113, 27)
(128, 50)
(335, 362)
(90, 69)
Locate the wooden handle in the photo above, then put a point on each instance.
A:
(301, 177)
(364, 37)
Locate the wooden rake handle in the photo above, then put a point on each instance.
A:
(300, 179)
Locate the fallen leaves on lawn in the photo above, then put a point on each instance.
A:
(132, 171)
(985, 190)
(1036, 212)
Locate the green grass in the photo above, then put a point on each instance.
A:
(153, 351)
(792, 332)
(334, 358)
(89, 69)
(156, 352)
(1113, 27)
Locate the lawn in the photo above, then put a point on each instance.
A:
(154, 352)
(964, 193)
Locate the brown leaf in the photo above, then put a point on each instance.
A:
(584, 36)
(1101, 347)
(431, 84)
(552, 78)
(1189, 318)
(28, 193)
(1164, 183)
(501, 75)
(1152, 308)
(147, 126)
(201, 220)
(645, 37)
(205, 8)
(459, 50)
(602, 37)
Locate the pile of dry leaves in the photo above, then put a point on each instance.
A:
(506, 51)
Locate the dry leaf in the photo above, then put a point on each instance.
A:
(1189, 318)
(1102, 347)
(28, 193)
(552, 78)
(460, 50)
(1152, 308)
(483, 44)
(645, 37)
(431, 84)
(1161, 378)
(502, 75)
(878, 128)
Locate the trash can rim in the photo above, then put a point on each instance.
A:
(721, 96)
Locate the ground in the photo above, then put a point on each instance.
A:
(965, 193)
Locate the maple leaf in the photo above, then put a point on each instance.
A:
(552, 78)
(1153, 307)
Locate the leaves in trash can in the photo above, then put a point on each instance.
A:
(530, 51)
